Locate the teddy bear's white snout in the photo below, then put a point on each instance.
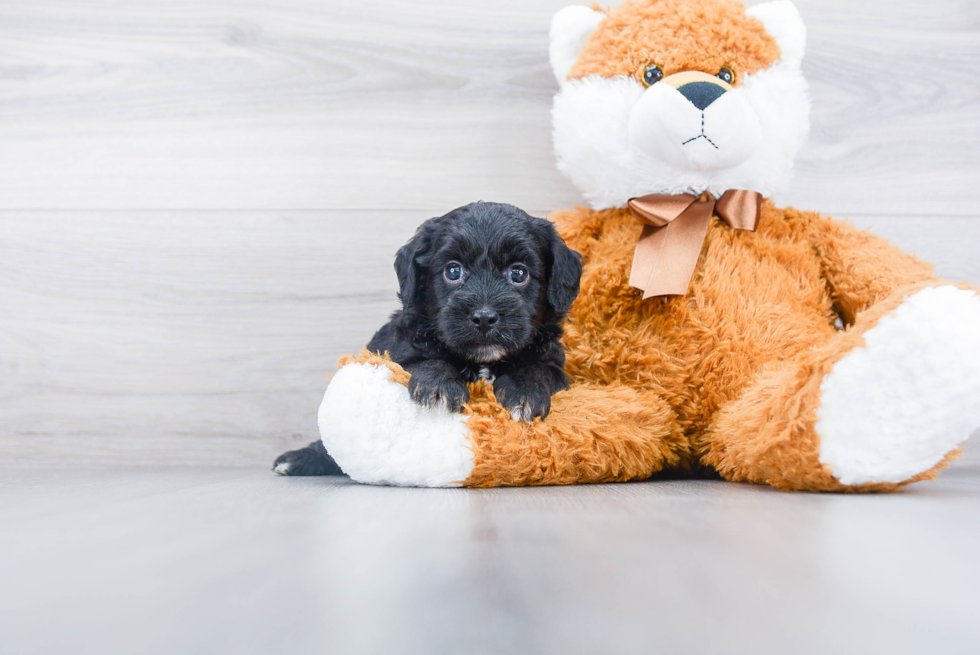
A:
(695, 128)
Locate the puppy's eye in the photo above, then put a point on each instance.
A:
(726, 75)
(652, 74)
(518, 275)
(453, 272)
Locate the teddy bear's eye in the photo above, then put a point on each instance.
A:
(652, 74)
(726, 75)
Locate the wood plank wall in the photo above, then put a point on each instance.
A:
(200, 200)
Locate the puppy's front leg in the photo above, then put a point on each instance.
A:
(435, 382)
(527, 391)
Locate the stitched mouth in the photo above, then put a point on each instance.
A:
(701, 136)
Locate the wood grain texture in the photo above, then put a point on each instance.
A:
(389, 105)
(184, 336)
(200, 201)
(232, 561)
(295, 104)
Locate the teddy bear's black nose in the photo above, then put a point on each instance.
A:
(701, 94)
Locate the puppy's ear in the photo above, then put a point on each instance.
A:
(410, 263)
(565, 273)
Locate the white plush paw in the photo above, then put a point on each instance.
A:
(897, 406)
(378, 435)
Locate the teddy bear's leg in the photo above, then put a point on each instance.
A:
(879, 406)
(377, 435)
(593, 434)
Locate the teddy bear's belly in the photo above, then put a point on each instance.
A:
(755, 299)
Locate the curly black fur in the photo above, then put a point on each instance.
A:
(491, 322)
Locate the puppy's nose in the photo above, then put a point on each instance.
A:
(701, 94)
(484, 319)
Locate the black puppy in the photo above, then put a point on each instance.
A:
(483, 290)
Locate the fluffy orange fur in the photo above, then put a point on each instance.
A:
(727, 376)
(594, 434)
(699, 37)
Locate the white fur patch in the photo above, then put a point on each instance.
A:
(522, 413)
(784, 23)
(377, 435)
(598, 151)
(486, 354)
(666, 125)
(897, 406)
(614, 139)
(571, 28)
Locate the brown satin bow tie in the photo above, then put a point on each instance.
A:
(673, 234)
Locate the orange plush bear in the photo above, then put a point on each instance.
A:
(714, 331)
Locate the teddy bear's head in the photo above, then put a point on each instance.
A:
(678, 96)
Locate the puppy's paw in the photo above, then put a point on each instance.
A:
(434, 390)
(524, 398)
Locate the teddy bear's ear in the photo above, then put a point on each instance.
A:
(785, 24)
(570, 29)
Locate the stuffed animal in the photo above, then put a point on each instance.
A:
(714, 331)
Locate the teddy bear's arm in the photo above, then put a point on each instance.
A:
(861, 269)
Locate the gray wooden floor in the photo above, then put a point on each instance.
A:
(239, 561)
(199, 204)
